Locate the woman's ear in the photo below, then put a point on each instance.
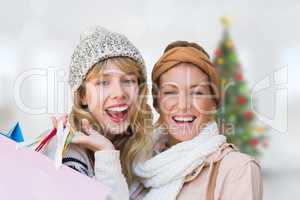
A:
(84, 101)
(214, 107)
(81, 95)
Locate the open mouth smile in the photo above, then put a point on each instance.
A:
(118, 113)
(184, 120)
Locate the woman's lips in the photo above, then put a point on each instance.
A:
(184, 120)
(118, 113)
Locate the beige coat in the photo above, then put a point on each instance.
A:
(237, 177)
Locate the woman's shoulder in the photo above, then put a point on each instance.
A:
(239, 163)
(238, 159)
(77, 158)
(75, 151)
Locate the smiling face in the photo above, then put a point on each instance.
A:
(185, 102)
(111, 98)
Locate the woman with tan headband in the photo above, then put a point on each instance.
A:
(192, 160)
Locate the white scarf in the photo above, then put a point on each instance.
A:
(165, 173)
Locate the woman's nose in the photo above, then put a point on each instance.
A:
(183, 103)
(117, 91)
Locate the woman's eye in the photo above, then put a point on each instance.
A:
(102, 82)
(169, 93)
(128, 81)
(197, 93)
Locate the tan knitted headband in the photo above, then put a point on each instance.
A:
(178, 55)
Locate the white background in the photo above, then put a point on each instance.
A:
(41, 34)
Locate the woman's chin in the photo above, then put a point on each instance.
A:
(118, 129)
(182, 135)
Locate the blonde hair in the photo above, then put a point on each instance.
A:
(130, 146)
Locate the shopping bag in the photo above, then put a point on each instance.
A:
(57, 141)
(27, 175)
(15, 133)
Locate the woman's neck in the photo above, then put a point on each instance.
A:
(119, 139)
(172, 141)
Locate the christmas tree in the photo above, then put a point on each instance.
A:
(235, 117)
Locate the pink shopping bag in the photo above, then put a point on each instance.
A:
(27, 175)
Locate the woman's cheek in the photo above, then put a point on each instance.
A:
(201, 106)
(98, 98)
(167, 104)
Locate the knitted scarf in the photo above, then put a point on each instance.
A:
(164, 174)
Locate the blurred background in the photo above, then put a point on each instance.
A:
(37, 38)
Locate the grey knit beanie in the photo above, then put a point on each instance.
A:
(97, 44)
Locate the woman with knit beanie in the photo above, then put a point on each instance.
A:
(192, 160)
(110, 115)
